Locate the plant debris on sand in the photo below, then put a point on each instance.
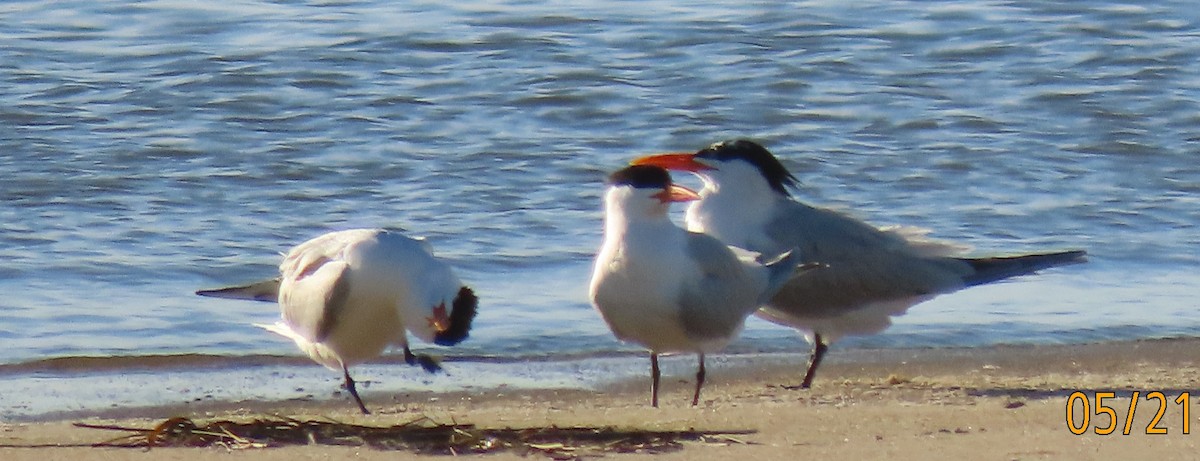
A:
(421, 436)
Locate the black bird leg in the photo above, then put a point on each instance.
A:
(818, 353)
(654, 380)
(353, 391)
(699, 381)
(428, 363)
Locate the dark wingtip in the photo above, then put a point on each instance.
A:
(461, 314)
(266, 291)
(216, 293)
(989, 270)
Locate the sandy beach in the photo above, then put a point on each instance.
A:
(991, 403)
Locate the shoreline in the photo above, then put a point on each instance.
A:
(1007, 401)
(130, 386)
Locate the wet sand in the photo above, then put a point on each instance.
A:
(980, 403)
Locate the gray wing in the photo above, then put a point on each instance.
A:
(821, 232)
(714, 305)
(863, 264)
(316, 283)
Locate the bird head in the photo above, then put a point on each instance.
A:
(728, 163)
(454, 327)
(643, 190)
(652, 181)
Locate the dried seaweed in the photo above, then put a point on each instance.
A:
(420, 436)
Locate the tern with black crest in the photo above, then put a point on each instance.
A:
(667, 289)
(872, 273)
(347, 296)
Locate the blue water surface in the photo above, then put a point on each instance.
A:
(149, 149)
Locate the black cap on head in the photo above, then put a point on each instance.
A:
(641, 177)
(772, 170)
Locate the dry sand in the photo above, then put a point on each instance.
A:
(998, 403)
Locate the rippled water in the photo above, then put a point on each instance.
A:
(150, 149)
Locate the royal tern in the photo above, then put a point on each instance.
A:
(667, 289)
(871, 274)
(346, 296)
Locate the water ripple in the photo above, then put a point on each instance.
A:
(154, 148)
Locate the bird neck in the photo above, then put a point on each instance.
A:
(732, 213)
(618, 224)
(625, 208)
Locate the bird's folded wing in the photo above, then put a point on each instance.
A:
(824, 235)
(311, 304)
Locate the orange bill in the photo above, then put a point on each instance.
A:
(673, 161)
(677, 193)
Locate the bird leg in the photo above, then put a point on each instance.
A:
(654, 380)
(353, 391)
(427, 362)
(699, 381)
(814, 361)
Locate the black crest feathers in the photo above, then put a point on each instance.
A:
(772, 170)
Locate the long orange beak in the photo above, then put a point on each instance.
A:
(677, 193)
(673, 161)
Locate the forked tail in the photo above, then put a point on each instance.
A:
(989, 270)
